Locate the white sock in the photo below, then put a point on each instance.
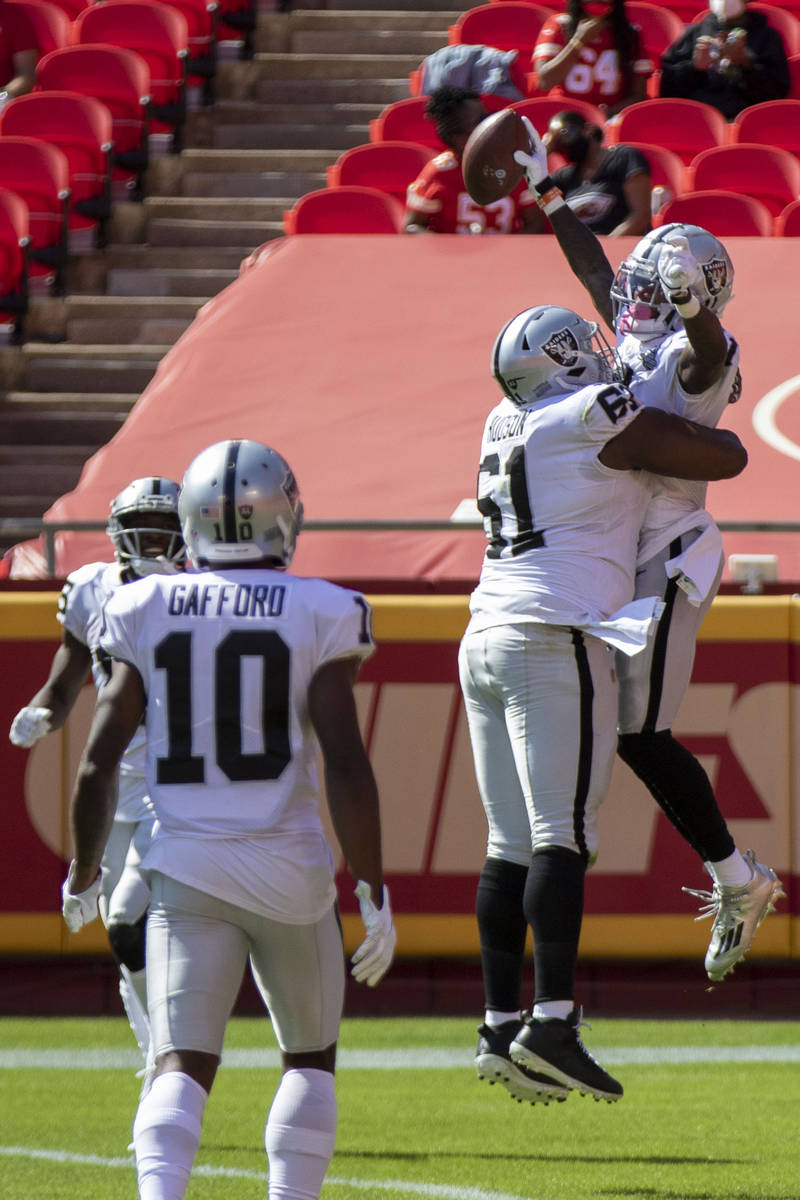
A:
(133, 990)
(733, 871)
(495, 1019)
(300, 1134)
(166, 1134)
(548, 1009)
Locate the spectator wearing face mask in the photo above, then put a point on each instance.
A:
(731, 59)
(607, 187)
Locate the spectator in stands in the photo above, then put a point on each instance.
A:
(730, 59)
(18, 52)
(608, 188)
(438, 201)
(593, 52)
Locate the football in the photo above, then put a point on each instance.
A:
(488, 161)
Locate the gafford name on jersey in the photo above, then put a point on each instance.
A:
(217, 599)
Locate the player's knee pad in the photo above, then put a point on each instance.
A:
(128, 943)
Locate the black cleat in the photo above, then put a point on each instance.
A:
(493, 1062)
(555, 1046)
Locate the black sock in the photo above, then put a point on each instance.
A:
(502, 928)
(554, 910)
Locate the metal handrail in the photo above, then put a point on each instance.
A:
(19, 528)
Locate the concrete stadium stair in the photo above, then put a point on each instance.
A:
(319, 75)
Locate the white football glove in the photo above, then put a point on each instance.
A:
(373, 957)
(81, 908)
(29, 725)
(678, 269)
(535, 161)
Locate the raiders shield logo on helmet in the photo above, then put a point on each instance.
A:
(562, 347)
(716, 276)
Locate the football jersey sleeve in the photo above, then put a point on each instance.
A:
(76, 603)
(346, 628)
(608, 411)
(120, 633)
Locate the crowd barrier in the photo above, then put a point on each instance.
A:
(741, 716)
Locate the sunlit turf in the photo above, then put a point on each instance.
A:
(719, 1131)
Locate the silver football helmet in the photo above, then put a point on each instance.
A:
(547, 351)
(240, 503)
(637, 297)
(145, 528)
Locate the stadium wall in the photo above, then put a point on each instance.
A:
(741, 716)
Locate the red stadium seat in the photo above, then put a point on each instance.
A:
(773, 123)
(794, 76)
(405, 121)
(505, 26)
(121, 80)
(666, 169)
(39, 174)
(787, 222)
(388, 166)
(71, 7)
(14, 239)
(684, 126)
(725, 214)
(201, 65)
(50, 24)
(784, 20)
(236, 23)
(80, 126)
(161, 36)
(659, 26)
(346, 209)
(769, 174)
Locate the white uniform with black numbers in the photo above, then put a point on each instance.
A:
(80, 610)
(554, 594)
(680, 554)
(226, 658)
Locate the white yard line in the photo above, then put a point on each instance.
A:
(437, 1191)
(431, 1057)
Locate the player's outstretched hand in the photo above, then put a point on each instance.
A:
(534, 162)
(79, 908)
(29, 725)
(678, 269)
(374, 956)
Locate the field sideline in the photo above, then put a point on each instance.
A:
(709, 1113)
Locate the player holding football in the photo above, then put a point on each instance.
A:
(146, 533)
(664, 304)
(243, 671)
(563, 490)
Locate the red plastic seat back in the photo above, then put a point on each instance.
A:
(666, 169)
(117, 77)
(770, 174)
(39, 174)
(504, 26)
(773, 123)
(787, 222)
(405, 121)
(50, 24)
(684, 126)
(14, 232)
(346, 209)
(388, 166)
(80, 126)
(725, 214)
(659, 26)
(155, 31)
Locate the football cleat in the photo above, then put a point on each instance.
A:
(737, 914)
(493, 1062)
(554, 1045)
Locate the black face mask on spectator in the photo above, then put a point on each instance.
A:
(574, 146)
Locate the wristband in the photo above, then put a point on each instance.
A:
(690, 308)
(551, 200)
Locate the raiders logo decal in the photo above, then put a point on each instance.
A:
(562, 347)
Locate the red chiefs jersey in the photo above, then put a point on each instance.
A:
(596, 76)
(439, 193)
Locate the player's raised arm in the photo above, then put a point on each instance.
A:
(581, 248)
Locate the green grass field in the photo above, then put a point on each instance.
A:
(710, 1112)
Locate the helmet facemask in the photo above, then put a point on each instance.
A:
(145, 528)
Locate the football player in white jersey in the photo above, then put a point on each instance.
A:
(145, 530)
(244, 671)
(563, 489)
(664, 304)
